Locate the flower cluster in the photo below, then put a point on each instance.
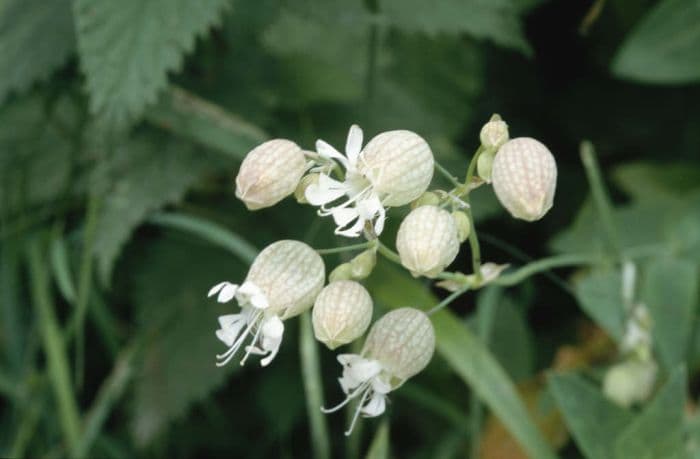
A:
(356, 189)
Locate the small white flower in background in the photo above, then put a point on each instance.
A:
(630, 382)
(524, 177)
(427, 241)
(269, 173)
(393, 169)
(282, 282)
(341, 314)
(399, 345)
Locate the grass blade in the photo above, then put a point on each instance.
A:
(379, 448)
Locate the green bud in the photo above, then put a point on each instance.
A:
(463, 225)
(341, 272)
(494, 133)
(304, 183)
(428, 198)
(484, 165)
(362, 265)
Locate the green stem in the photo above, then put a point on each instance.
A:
(347, 248)
(545, 264)
(313, 389)
(388, 253)
(84, 284)
(440, 168)
(600, 196)
(453, 296)
(68, 413)
(471, 169)
(474, 244)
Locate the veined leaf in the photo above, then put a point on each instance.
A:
(663, 47)
(36, 37)
(600, 296)
(593, 421)
(127, 48)
(467, 356)
(495, 20)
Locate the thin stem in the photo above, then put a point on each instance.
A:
(472, 168)
(85, 284)
(54, 349)
(440, 168)
(600, 196)
(545, 264)
(388, 253)
(446, 302)
(347, 248)
(474, 244)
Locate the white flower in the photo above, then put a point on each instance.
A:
(399, 346)
(341, 314)
(267, 331)
(282, 282)
(394, 169)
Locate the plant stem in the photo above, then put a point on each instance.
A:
(545, 264)
(54, 349)
(313, 389)
(440, 168)
(388, 253)
(453, 296)
(600, 197)
(347, 248)
(474, 244)
(84, 284)
(471, 169)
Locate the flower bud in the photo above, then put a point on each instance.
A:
(524, 178)
(269, 173)
(426, 199)
(463, 225)
(630, 382)
(399, 164)
(341, 314)
(362, 265)
(300, 191)
(494, 133)
(403, 341)
(290, 274)
(341, 272)
(484, 165)
(427, 241)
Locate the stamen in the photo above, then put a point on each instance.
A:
(349, 397)
(231, 352)
(250, 348)
(357, 412)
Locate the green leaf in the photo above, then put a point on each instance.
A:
(379, 448)
(658, 431)
(36, 38)
(177, 368)
(600, 296)
(140, 176)
(594, 422)
(466, 354)
(495, 20)
(127, 48)
(670, 293)
(645, 180)
(663, 47)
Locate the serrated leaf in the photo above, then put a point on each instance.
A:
(663, 47)
(178, 367)
(36, 38)
(140, 176)
(670, 293)
(594, 422)
(600, 296)
(127, 48)
(495, 20)
(469, 358)
(658, 431)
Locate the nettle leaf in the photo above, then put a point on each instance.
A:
(496, 20)
(127, 48)
(600, 296)
(36, 38)
(169, 279)
(594, 421)
(658, 431)
(670, 292)
(663, 47)
(141, 175)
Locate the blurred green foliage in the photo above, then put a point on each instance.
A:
(121, 127)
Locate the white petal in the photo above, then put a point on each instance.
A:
(325, 191)
(379, 223)
(343, 216)
(227, 293)
(354, 144)
(348, 359)
(231, 326)
(259, 301)
(375, 407)
(380, 386)
(272, 328)
(353, 231)
(364, 370)
(217, 288)
(327, 151)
